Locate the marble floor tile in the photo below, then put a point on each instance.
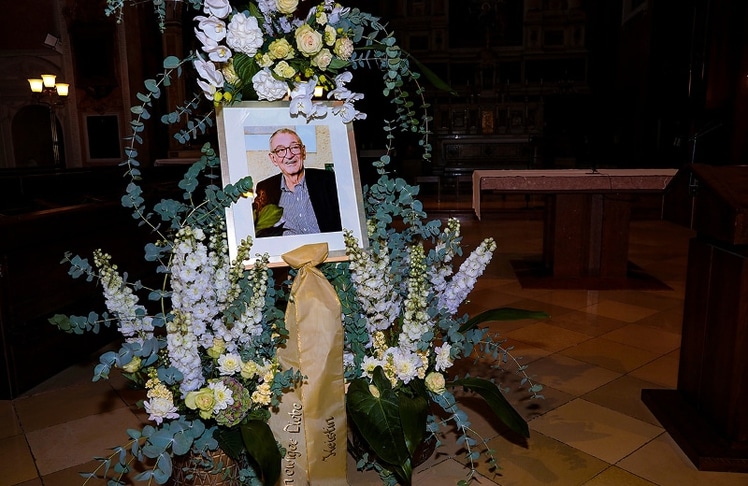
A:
(662, 462)
(645, 337)
(16, 461)
(624, 395)
(543, 461)
(546, 336)
(570, 375)
(614, 476)
(610, 355)
(70, 403)
(77, 441)
(596, 430)
(620, 311)
(662, 371)
(9, 425)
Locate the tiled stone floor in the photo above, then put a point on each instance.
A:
(594, 355)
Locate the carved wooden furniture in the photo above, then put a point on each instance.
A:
(707, 415)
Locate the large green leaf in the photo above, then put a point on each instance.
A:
(433, 78)
(413, 416)
(377, 417)
(263, 449)
(498, 403)
(502, 314)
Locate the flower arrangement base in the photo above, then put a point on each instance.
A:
(196, 470)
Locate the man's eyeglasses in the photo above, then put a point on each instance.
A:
(283, 151)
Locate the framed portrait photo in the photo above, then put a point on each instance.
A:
(290, 207)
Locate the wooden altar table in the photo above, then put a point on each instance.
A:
(586, 224)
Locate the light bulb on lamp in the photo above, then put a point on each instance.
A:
(49, 80)
(36, 84)
(62, 88)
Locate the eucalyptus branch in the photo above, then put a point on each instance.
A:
(496, 349)
(467, 434)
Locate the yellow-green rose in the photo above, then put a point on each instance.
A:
(132, 366)
(286, 6)
(280, 49)
(435, 383)
(217, 349)
(284, 70)
(308, 40)
(201, 400)
(249, 370)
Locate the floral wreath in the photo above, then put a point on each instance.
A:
(204, 348)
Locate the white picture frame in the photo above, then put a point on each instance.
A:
(244, 131)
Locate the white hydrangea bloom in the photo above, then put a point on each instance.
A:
(244, 34)
(267, 87)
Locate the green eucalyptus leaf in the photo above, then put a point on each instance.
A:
(171, 62)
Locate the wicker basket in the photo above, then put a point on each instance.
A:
(214, 469)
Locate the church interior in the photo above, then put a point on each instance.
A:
(534, 85)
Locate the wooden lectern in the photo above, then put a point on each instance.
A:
(707, 415)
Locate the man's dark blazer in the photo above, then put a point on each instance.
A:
(323, 192)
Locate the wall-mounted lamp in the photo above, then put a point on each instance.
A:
(47, 91)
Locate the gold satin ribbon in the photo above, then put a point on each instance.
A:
(311, 420)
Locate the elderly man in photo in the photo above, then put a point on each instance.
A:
(308, 197)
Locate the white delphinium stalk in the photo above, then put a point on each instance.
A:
(193, 281)
(132, 321)
(194, 304)
(374, 288)
(441, 269)
(415, 315)
(183, 350)
(462, 283)
(249, 324)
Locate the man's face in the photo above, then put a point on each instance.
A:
(287, 153)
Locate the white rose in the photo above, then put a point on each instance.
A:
(322, 59)
(244, 34)
(308, 40)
